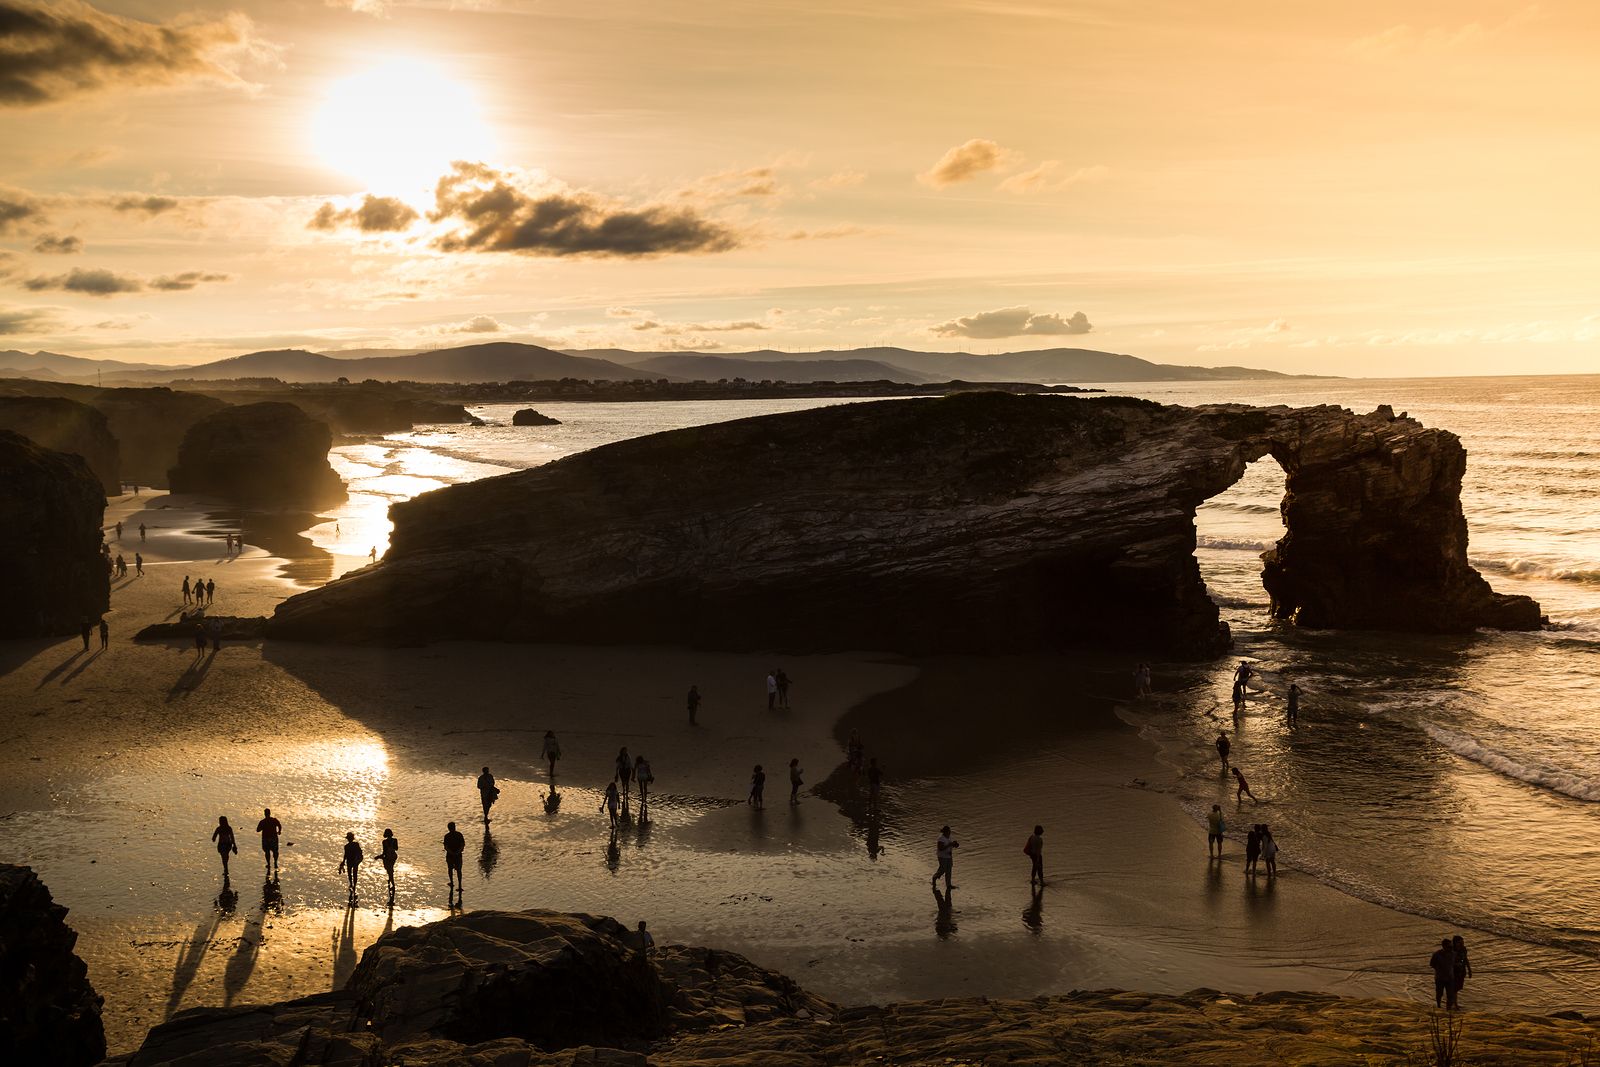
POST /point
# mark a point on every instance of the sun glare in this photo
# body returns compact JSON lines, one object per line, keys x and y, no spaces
{"x":397,"y":127}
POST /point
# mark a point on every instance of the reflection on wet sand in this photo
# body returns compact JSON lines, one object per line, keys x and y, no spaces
{"x":190,"y":955}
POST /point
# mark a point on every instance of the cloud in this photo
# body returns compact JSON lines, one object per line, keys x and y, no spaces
{"x":677,"y":329}
{"x":965,"y":162}
{"x":98,"y":281}
{"x":477,"y":324}
{"x":16,"y":208}
{"x":377,"y":214}
{"x":146,"y":205}
{"x":1050,"y":176}
{"x":25,"y":321}
{"x":377,"y":8}
{"x":731,"y":184}
{"x":492,"y":213}
{"x":50,"y":244}
{"x":840,"y":179}
{"x":56,"y":51}
{"x":1013,"y":322}
{"x":625,"y":313}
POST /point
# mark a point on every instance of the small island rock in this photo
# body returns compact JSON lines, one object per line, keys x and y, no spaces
{"x":530,"y":417}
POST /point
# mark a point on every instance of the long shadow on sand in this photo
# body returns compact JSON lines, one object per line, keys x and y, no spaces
{"x":192,"y":677}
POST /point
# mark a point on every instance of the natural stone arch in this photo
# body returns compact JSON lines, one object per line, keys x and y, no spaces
{"x":981,"y":521}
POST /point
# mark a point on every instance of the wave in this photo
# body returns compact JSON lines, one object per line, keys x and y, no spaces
{"x":1551,"y":778}
{"x":1239,"y":505}
{"x":1207,"y":541}
{"x":1531,"y":568}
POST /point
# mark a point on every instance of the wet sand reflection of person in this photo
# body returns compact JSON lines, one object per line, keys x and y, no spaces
{"x":613,"y":853}
{"x":488,"y":855}
{"x":944,"y":922}
{"x":874,"y":849}
{"x":1033,"y":914}
{"x":552,"y":801}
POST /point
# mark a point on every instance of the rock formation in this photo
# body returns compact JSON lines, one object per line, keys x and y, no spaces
{"x":50,"y":565}
{"x":530,"y":417}
{"x":538,"y":989}
{"x":980,"y":521}
{"x":149,"y":425}
{"x":49,"y":1013}
{"x":268,"y":454}
{"x":66,"y":426}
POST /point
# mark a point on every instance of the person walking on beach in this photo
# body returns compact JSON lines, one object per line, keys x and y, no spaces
{"x":1244,"y":788}
{"x":1461,"y":971}
{"x":874,"y":784}
{"x":141,"y":533}
{"x":783,"y":688}
{"x":1241,"y":678}
{"x":88,"y":628}
{"x":488,"y":792}
{"x":643,"y":776}
{"x":1293,"y":712}
{"x":945,"y":850}
{"x":223,"y":836}
{"x":550,"y":751}
{"x":624,"y":773}
{"x":352,"y":861}
{"x":795,"y":781}
{"x":610,"y":804}
{"x":1252,"y":849}
{"x":1034,"y":850}
{"x":138,"y":565}
{"x":270,"y":830}
{"x":1269,"y":851}
{"x":455,"y":846}
{"x":1141,"y":680}
{"x":121,"y":566}
{"x":758,"y":786}
{"x":119,"y":529}
{"x":1223,"y":748}
{"x":105,"y":635}
{"x":1215,"y":828}
{"x":693,"y":701}
{"x":1443,"y":963}
{"x":772,"y":689}
{"x":186,"y":589}
{"x":390,"y":853}
{"x":211,"y":590}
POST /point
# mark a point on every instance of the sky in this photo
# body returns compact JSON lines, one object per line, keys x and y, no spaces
{"x":1375,"y":187}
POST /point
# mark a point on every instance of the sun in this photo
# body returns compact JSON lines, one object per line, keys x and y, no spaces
{"x":398,"y":127}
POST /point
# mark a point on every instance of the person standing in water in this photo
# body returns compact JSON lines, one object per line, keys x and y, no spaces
{"x":1269,"y":851}
{"x":795,"y":781}
{"x":1243,"y":790}
{"x":1215,"y":828}
{"x":1443,"y":964}
{"x":455,"y":845}
{"x":223,"y":836}
{"x":1223,"y":748}
{"x":390,"y":853}
{"x":1252,"y":849}
{"x":643,"y":776}
{"x":624,"y":773}
{"x":758,"y":786}
{"x":610,"y":804}
{"x":1241,"y":679}
{"x":270,"y":830}
{"x":488,"y":792}
{"x":1292,"y":715}
{"x":693,"y":700}
{"x":351,"y":862}
{"x":1461,"y":971}
{"x":1034,"y":850}
{"x":944,"y":849}
{"x":550,"y":751}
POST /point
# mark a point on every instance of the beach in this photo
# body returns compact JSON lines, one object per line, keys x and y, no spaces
{"x":117,"y":764}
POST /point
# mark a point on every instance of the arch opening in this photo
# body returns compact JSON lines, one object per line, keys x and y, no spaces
{"x":1232,"y":530}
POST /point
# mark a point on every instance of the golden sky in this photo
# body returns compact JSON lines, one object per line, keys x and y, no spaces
{"x":1374,"y":187}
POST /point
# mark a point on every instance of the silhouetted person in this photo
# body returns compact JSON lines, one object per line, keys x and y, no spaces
{"x":226,"y":845}
{"x":610,"y":804}
{"x":1244,"y":788}
{"x":624,"y":773}
{"x":646,"y":942}
{"x":1034,"y":850}
{"x":488,"y":792}
{"x":874,"y":783}
{"x":390,"y":853}
{"x":270,"y":830}
{"x":211,"y":590}
{"x":1443,"y":962}
{"x":122,"y":566}
{"x":945,"y":850}
{"x":105,"y":635}
{"x":694,"y":704}
{"x":373,"y":555}
{"x":455,"y":846}
{"x":1222,"y":750}
{"x":1293,"y":713}
{"x":1252,"y":849}
{"x":1241,"y":679}
{"x":119,"y":530}
{"x":351,"y":862}
{"x":783,"y":688}
{"x":758,"y":787}
{"x":138,"y":565}
{"x":1215,"y":828}
{"x":186,"y":589}
{"x":88,"y":628}
{"x":795,"y":781}
{"x":550,"y":751}
{"x":1462,"y":971}
{"x":1269,"y":851}
{"x":141,"y":531}
{"x":772,"y":690}
{"x":643,"y":776}
{"x":1141,"y":680}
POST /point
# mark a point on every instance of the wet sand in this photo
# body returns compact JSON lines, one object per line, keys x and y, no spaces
{"x":116,"y":764}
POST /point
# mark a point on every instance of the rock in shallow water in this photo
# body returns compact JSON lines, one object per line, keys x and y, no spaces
{"x":974,"y":522}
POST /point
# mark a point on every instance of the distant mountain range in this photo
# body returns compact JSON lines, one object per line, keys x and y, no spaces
{"x":509,"y":361}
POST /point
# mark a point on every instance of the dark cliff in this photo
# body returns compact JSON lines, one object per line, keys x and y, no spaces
{"x":974,"y":522}
{"x":49,"y":1013}
{"x":50,"y":565}
{"x":66,"y":426}
{"x":271,"y":455}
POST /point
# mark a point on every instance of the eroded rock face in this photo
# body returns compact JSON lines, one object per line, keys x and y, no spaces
{"x":50,"y":567}
{"x":149,"y":425}
{"x":531,"y":417}
{"x":268,"y":454}
{"x":66,"y":426}
{"x":980,"y":521}
{"x":49,"y":1013}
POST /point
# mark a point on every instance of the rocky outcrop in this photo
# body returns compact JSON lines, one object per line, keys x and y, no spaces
{"x":981,"y":521}
{"x":150,"y":425}
{"x":268,"y":454}
{"x":66,"y":426}
{"x":507,"y":986}
{"x":49,"y":1013}
{"x":50,"y":567}
{"x":530,"y":417}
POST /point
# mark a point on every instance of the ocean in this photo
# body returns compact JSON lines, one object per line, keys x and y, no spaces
{"x":1451,"y":777}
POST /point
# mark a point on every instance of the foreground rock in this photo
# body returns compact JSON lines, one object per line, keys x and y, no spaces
{"x":50,"y":567}
{"x":268,"y":454}
{"x":499,"y":989}
{"x":66,"y":426}
{"x":49,"y":1013}
{"x":979,"y":521}
{"x":531,"y":417}
{"x":227,"y":627}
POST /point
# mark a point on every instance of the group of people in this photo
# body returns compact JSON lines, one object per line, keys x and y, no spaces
{"x":88,"y":629}
{"x":117,"y":567}
{"x":777,"y":689}
{"x":1451,"y":969}
{"x":201,"y":594}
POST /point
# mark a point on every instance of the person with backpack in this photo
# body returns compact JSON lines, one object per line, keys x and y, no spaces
{"x":1034,"y":850}
{"x":488,"y":792}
